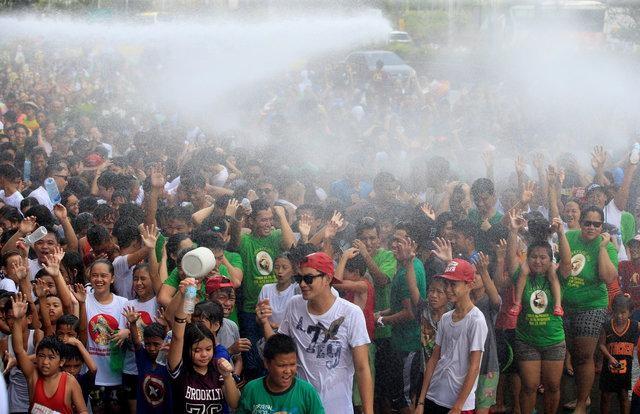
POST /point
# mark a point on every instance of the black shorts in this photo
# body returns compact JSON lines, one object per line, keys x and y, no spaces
{"x":108,"y":400}
{"x":130,"y":386}
{"x":406,"y":378}
{"x":384,"y":367}
{"x":614,"y":382}
{"x":505,"y":343}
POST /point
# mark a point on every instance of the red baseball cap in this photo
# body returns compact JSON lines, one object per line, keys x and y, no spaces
{"x":215,"y":283}
{"x":459,"y":270}
{"x":319,"y":261}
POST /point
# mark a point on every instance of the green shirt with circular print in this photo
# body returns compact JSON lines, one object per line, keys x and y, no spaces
{"x":537,"y":325}
{"x":583,"y":289}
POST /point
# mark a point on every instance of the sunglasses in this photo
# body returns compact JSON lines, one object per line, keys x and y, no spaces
{"x":308,"y":279}
{"x":595,"y":224}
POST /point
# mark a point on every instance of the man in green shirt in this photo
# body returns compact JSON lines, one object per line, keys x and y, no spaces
{"x":258,"y":251}
{"x":280,"y":391}
{"x":406,"y":350}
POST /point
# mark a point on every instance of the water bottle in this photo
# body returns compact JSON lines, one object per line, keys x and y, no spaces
{"x":161,"y":359}
{"x":52,"y":189}
{"x":634,"y":157}
{"x":246,"y":204}
{"x":36,"y":235}
{"x":190,"y":299}
{"x":26,"y":170}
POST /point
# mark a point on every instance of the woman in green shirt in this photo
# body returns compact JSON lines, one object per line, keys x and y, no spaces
{"x":594,"y":264}
{"x":540,"y":339}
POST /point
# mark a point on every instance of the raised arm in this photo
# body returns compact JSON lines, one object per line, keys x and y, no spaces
{"x":86,"y":357}
{"x":132,"y":316}
{"x":19,"y":308}
{"x":516,"y":223}
{"x":598,"y":160}
{"x":288,"y":239}
{"x":151,"y":199}
{"x":52,"y":266}
{"x":26,"y":227}
{"x":564,"y":266}
{"x":489,"y":286}
{"x":179,"y":324}
{"x":622,"y":195}
{"x":60,"y":212}
{"x":607,"y":270}
{"x":79,"y":292}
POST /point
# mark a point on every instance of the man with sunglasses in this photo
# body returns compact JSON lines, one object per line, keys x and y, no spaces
{"x":330,"y":335}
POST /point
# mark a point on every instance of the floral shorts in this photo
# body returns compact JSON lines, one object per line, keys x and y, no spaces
{"x":487,"y":389}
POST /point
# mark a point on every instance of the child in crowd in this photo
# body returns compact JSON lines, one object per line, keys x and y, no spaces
{"x":202,"y":381}
{"x":76,"y":355}
{"x":618,"y":338}
{"x":152,"y":379}
{"x":10,"y":262}
{"x":282,"y":291}
{"x":45,"y":378}
{"x":630,"y":276}
{"x":146,"y":307}
{"x":451,"y":375}
{"x":280,"y":391}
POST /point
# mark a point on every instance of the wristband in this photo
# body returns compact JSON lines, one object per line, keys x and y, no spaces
{"x":420,"y":403}
{"x":379,"y":321}
{"x":179,"y":320}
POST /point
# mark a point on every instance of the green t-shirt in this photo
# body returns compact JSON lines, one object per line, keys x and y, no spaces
{"x":405,"y":336}
{"x":583,"y":289}
{"x":483,"y":242}
{"x":301,"y":398}
{"x":159,"y":244}
{"x":387,"y":263}
{"x":537,"y":325}
{"x":258,"y":255}
{"x":627,"y":226}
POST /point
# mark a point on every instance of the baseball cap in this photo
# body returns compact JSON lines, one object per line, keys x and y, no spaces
{"x":215,"y":283}
{"x":319,"y":261}
{"x":459,"y":270}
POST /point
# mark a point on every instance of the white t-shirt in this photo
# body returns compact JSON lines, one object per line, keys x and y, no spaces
{"x":34,"y":268}
{"x":457,"y":340}
{"x":613,"y":216}
{"x":13,"y":200}
{"x":324,"y":348}
{"x":123,"y":277}
{"x":228,"y":333}
{"x":102,"y":322}
{"x":277,"y":300}
{"x":148,"y":311}
{"x":8,"y":285}
{"x":42,"y":196}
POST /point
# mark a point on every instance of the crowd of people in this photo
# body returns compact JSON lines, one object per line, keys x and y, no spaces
{"x":357,"y":267}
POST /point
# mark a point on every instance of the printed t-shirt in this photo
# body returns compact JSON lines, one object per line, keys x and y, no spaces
{"x":630,"y":280}
{"x":258,"y":254}
{"x":537,"y":325}
{"x":197,"y":393}
{"x":456,"y":340}
{"x":324,"y":344}
{"x":405,"y":336}
{"x":300,"y":398}
{"x":102,"y":322}
{"x":154,"y":382}
{"x":583,"y":289}
{"x":148,"y":311}
{"x":387,"y":263}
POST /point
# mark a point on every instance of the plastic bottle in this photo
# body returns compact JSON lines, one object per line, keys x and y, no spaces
{"x":52,"y":189}
{"x":634,"y":157}
{"x":246,"y":204}
{"x":26,"y":170}
{"x":36,"y":235}
{"x":162,"y":355}
{"x":190,"y":299}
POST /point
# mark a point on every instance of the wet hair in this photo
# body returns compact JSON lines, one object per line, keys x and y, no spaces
{"x":10,"y":172}
{"x":96,"y":235}
{"x":133,"y":212}
{"x":174,"y":241}
{"x":367,"y":223}
{"x":82,"y":222}
{"x":28,"y":202}
{"x":356,"y":264}
{"x":102,"y":211}
{"x":192,"y":181}
{"x":215,"y":224}
{"x":153,"y":330}
{"x":194,"y":333}
{"x":278,"y":344}
{"x":622,"y":301}
{"x":69,"y":320}
{"x":209,"y":310}
{"x":7,"y":255}
{"x":121,"y":193}
{"x":540,"y":243}
{"x":209,"y":239}
{"x":467,"y":227}
{"x":258,"y":206}
{"x":482,"y":186}
{"x":442,"y":219}
{"x":42,"y":214}
{"x":55,"y":167}
{"x":78,"y":186}
{"x":51,"y":343}
{"x":88,"y":204}
{"x":10,"y":213}
{"x":102,"y":261}
{"x":73,"y":261}
{"x":141,"y":266}
{"x":71,"y":353}
{"x":222,"y":201}
{"x":108,"y":179}
{"x":538,"y":228}
{"x":126,"y":234}
{"x":590,"y":209}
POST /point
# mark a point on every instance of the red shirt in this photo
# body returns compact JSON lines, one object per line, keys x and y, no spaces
{"x":368,"y":308}
{"x":630,"y":280}
{"x":55,"y":402}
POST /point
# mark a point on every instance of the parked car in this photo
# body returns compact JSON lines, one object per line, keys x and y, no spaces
{"x":364,"y":63}
{"x":399,"y":37}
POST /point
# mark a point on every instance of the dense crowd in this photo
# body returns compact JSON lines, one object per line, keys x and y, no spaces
{"x":362,"y":261}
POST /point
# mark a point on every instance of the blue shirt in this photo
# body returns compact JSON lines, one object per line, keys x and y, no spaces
{"x":154,"y":385}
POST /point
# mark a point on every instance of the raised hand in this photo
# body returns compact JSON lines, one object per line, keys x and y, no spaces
{"x":483,"y":263}
{"x":130,"y":314}
{"x":304,"y":225}
{"x":158,"y":177}
{"x":19,"y":305}
{"x":538,"y":161}
{"x":149,"y":235}
{"x":331,"y":229}
{"x":428,"y":211}
{"x":557,"y":226}
{"x":350,"y":253}
{"x":487,"y":158}
{"x":406,"y":250}
{"x":443,"y":249}
{"x":501,"y":249}
{"x":362,"y":248}
{"x":51,"y":262}
{"x":241,"y":345}
{"x":516,"y":221}
{"x":232,"y":208}
{"x":10,"y":362}
{"x":79,"y":292}
{"x":60,"y":212}
{"x":280,"y":212}
{"x":20,"y":270}
{"x":28,"y":225}
{"x":552,"y":176}
{"x":40,"y":289}
{"x":520,"y":165}
{"x":598,"y":158}
{"x":224,"y":367}
{"x":120,"y":336}
{"x":606,"y":239}
{"x":527,"y":192}
{"x":263,"y":310}
{"x":561,"y":175}
{"x":160,"y":318}
{"x":185,"y":283}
